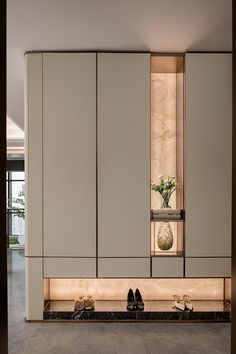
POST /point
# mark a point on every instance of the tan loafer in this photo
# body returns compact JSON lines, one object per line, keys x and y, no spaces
{"x":79,"y":304}
{"x":89,"y":303}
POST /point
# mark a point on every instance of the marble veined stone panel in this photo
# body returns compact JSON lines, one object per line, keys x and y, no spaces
{"x":151,"y":289}
{"x":163,"y":131}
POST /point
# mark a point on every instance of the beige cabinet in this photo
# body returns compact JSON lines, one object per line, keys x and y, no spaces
{"x":123,"y":155}
{"x":33,"y":156}
{"x":208,"y":132}
{"x":69,"y":154}
{"x":88,"y":166}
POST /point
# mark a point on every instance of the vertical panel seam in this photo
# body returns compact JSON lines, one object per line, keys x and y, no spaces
{"x":184,"y":163}
{"x":42,"y":173}
{"x":150,"y":159}
{"x":96,"y":165}
{"x":28,"y":158}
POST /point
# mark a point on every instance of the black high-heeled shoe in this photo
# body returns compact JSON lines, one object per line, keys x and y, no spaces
{"x":131,"y":306}
{"x":138,"y":300}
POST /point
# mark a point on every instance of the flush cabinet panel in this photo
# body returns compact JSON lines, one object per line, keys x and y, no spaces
{"x":33,"y":158}
{"x":34,"y":299}
{"x":208,"y":267}
{"x":167,"y":267}
{"x":123,"y":155}
{"x":123,"y":267}
{"x":69,"y":154}
{"x":69,"y":267}
{"x":208,"y":155}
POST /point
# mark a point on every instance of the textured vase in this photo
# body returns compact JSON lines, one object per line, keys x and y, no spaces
{"x":165,"y":236}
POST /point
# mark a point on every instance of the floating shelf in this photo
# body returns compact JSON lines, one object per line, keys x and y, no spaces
{"x":167,"y":254}
{"x":167,"y":215}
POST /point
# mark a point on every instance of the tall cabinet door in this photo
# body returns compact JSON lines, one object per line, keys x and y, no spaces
{"x":69,"y":154}
{"x":123,"y":162}
{"x":33,"y":155}
{"x":208,"y":159}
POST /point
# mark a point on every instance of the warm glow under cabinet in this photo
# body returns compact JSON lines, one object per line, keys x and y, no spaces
{"x":152,"y":289}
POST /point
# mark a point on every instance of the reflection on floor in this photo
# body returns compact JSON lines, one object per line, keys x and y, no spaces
{"x":104,"y":338}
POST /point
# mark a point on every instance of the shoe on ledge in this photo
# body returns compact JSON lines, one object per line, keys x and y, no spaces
{"x":178,"y":303}
{"x":138,"y":300}
{"x":131,"y":305}
{"x":79,"y":304}
{"x":84,"y":303}
{"x":89,"y":303}
{"x":187,"y":302}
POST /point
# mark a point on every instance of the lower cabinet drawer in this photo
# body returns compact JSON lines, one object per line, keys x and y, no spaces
{"x":123,"y":267}
{"x":208,"y":267}
{"x":69,"y":267}
{"x":167,"y":267}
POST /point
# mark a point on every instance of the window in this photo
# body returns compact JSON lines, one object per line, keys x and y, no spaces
{"x":15,"y":208}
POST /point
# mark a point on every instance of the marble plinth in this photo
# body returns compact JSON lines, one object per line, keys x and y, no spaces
{"x":212,"y":311}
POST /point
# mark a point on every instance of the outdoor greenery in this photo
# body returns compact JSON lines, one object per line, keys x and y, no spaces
{"x":18,"y":210}
{"x":13,"y":240}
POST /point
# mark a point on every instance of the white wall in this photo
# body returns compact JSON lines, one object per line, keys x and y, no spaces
{"x":155,"y":25}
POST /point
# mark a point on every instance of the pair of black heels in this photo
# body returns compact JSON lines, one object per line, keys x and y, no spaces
{"x":135,"y":301}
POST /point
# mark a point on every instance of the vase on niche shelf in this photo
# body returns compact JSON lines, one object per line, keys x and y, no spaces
{"x":165,"y":238}
{"x":165,"y":188}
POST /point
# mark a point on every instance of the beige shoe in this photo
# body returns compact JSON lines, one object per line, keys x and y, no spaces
{"x":187,"y":302}
{"x":79,"y":304}
{"x":89,"y":303}
{"x":179,"y":303}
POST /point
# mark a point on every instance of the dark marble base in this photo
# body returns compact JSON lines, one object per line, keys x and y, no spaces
{"x":212,"y":311}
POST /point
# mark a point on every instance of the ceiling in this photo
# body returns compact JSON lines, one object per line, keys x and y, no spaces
{"x":152,"y":25}
{"x":14,"y":132}
{"x":15,"y":140}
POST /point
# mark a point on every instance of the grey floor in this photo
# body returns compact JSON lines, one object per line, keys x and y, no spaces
{"x":104,"y":338}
